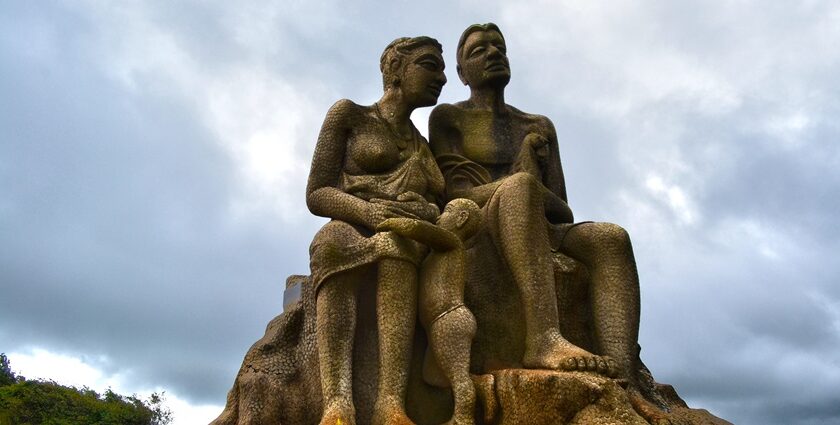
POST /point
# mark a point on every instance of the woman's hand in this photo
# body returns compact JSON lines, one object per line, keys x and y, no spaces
{"x":410,"y":205}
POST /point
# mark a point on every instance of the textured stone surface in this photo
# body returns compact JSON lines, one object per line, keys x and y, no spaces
{"x":278,"y":382}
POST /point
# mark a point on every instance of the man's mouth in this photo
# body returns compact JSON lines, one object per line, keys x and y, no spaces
{"x":436,"y":89}
{"x":496,"y":66}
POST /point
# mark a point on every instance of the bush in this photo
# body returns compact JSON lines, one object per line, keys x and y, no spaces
{"x":39,"y":402}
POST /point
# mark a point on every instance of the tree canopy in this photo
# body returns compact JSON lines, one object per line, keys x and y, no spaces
{"x":31,"y":402}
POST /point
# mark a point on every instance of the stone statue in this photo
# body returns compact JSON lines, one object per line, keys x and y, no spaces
{"x":529,"y":318}
{"x":448,"y":322}
{"x":370,"y":165}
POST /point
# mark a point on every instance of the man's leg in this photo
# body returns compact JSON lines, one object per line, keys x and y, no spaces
{"x":606,"y":251}
{"x":522,"y":238}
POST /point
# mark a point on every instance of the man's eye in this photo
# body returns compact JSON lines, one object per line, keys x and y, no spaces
{"x":431,"y":66}
{"x":477,"y":51}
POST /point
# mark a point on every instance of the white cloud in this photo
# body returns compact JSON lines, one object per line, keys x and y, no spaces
{"x":266,"y":121}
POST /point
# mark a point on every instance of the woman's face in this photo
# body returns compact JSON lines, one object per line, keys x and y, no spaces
{"x":422,"y":77}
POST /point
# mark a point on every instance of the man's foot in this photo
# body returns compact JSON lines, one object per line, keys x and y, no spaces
{"x":338,"y":414}
{"x":555,"y":353}
{"x":389,"y":414}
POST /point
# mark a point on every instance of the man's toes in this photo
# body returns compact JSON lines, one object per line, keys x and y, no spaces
{"x":602,"y":366}
{"x":592,"y":363}
{"x":613,"y":367}
{"x":570,"y":364}
{"x":581,"y":363}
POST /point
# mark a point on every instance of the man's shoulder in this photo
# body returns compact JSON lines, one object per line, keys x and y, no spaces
{"x":529,"y":118}
{"x":447,"y":111}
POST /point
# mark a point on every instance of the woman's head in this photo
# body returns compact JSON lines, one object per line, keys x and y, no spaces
{"x":395,"y":57}
{"x":412,"y":69}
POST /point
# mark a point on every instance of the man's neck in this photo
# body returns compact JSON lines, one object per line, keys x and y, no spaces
{"x":488,"y":99}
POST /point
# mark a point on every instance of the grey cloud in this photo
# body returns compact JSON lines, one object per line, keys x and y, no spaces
{"x":119,"y":239}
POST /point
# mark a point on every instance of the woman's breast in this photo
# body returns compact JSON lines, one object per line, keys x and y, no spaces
{"x":372,"y":153}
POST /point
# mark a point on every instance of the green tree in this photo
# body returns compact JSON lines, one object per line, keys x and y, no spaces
{"x":7,"y":377}
{"x":40,"y":402}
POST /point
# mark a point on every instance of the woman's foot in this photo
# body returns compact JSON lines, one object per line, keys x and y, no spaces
{"x":389,"y":413}
{"x":339,"y":414}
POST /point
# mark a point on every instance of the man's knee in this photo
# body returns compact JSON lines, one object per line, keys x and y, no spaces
{"x":609,"y":236}
{"x":520,"y":181}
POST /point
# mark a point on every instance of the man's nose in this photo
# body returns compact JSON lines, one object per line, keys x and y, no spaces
{"x":494,"y":52}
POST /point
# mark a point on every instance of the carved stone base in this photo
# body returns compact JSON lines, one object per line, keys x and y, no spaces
{"x":279,"y":383}
{"x":520,"y":396}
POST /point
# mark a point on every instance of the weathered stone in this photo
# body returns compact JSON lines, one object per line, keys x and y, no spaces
{"x":501,"y":310}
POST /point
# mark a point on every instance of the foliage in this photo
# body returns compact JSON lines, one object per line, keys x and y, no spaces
{"x":25,"y":402}
{"x":7,"y":377}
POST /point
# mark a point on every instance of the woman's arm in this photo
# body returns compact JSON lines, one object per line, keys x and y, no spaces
{"x":435,"y":237}
{"x":323,"y":197}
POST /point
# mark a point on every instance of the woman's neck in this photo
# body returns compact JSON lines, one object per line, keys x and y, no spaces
{"x":393,"y":110}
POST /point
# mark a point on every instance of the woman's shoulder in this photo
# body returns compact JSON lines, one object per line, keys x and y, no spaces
{"x":346,"y":108}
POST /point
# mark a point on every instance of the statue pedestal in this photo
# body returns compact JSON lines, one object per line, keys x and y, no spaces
{"x":279,"y":382}
{"x":519,"y":396}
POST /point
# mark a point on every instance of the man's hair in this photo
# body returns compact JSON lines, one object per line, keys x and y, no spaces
{"x":392,"y":57}
{"x":473,"y":223}
{"x":471,"y":29}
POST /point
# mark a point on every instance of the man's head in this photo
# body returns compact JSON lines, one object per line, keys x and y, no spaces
{"x":462,"y":217}
{"x":482,"y":57}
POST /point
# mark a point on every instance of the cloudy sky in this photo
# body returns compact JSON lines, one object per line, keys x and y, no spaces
{"x":153,"y":158}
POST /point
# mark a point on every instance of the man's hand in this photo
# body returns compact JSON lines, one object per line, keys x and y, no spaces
{"x":538,"y":144}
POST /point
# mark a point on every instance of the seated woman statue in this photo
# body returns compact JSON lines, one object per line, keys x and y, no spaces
{"x":508,"y":162}
{"x":371,"y":164}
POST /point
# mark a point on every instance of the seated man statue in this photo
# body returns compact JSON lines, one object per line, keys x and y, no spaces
{"x":508,"y":162}
{"x":448,"y":323}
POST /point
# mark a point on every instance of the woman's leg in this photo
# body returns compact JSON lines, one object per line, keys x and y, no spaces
{"x":396,"y":312}
{"x":336,"y":323}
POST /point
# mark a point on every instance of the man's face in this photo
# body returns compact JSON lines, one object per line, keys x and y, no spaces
{"x":483,"y":60}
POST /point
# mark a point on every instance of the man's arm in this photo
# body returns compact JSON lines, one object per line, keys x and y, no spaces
{"x":556,"y":203}
{"x":436,"y":238}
